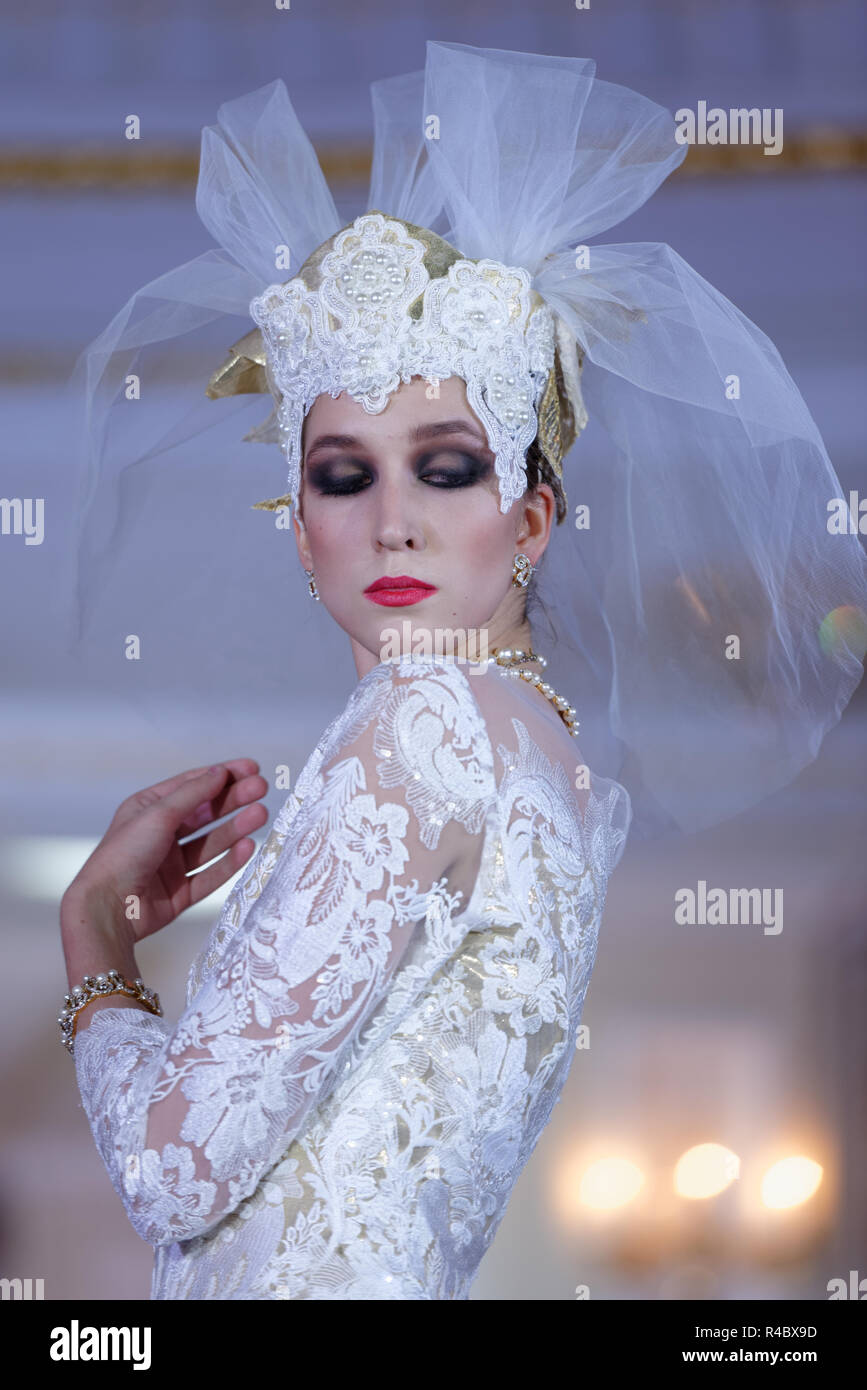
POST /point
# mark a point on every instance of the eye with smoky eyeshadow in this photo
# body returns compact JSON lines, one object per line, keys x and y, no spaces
{"x":343,"y":477}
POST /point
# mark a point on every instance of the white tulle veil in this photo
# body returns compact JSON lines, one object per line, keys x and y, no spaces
{"x":708,"y":624}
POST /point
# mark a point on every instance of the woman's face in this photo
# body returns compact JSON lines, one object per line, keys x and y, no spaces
{"x":412,"y":492}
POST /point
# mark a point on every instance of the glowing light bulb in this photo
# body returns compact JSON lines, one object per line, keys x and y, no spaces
{"x":791,"y":1181}
{"x":609,"y":1183}
{"x":705,"y":1170}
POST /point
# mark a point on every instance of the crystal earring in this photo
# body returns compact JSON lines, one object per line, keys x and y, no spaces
{"x":522,"y":571}
{"x":311,"y":585}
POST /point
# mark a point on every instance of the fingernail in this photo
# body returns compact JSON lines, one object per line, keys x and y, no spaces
{"x":218,"y":767}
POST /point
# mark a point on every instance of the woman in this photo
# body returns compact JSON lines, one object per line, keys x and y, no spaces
{"x":384,"y":1016}
{"x":414,"y":940}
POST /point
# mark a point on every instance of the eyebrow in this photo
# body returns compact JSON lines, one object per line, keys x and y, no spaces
{"x":432,"y":431}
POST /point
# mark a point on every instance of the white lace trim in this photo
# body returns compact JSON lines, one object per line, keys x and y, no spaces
{"x":355,"y":334}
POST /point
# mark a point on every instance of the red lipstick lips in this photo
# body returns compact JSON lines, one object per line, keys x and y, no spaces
{"x":398,"y":590}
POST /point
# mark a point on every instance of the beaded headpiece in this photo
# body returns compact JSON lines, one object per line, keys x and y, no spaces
{"x":383,"y":301}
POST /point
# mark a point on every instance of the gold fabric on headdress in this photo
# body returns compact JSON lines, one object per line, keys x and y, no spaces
{"x":561,"y":415}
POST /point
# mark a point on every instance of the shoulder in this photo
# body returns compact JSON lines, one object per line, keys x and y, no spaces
{"x":415,"y":725}
{"x":427,"y":711}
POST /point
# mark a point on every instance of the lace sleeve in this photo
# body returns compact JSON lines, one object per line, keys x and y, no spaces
{"x":381,"y":858}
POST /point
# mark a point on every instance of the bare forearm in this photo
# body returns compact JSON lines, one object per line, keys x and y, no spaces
{"x":93,"y":944}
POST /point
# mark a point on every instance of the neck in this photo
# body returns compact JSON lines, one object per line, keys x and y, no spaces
{"x":517,"y":636}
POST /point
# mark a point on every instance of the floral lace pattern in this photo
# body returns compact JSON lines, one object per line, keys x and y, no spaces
{"x":382,"y":1020}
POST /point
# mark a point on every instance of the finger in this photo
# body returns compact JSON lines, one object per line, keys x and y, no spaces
{"x":206,"y":847}
{"x":231,"y":798}
{"x":236,"y":766}
{"x":177,"y":806}
{"x":182,"y":801}
{"x":147,"y":796}
{"x":200,"y":885}
{"x":137,"y":801}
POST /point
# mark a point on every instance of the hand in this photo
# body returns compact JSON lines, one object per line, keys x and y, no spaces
{"x":140,"y":855}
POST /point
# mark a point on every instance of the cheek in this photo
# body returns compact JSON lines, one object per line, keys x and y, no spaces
{"x":329,"y":534}
{"x":482,"y":554}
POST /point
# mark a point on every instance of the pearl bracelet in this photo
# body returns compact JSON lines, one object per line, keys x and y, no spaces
{"x":96,"y":987}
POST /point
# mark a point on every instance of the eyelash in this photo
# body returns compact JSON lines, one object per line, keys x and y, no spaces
{"x":353,"y":485}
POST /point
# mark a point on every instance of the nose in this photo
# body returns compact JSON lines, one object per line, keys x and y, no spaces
{"x":397,"y":515}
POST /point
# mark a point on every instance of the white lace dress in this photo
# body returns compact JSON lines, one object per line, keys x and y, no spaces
{"x":384,"y":1015}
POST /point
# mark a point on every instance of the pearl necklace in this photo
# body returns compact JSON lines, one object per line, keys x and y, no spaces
{"x":509,"y":659}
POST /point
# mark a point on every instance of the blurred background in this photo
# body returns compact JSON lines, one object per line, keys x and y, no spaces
{"x":710,"y":1143}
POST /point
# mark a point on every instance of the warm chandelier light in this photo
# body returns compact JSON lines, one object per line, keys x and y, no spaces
{"x":610,"y":1183}
{"x":790,"y":1182}
{"x":705,"y":1170}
